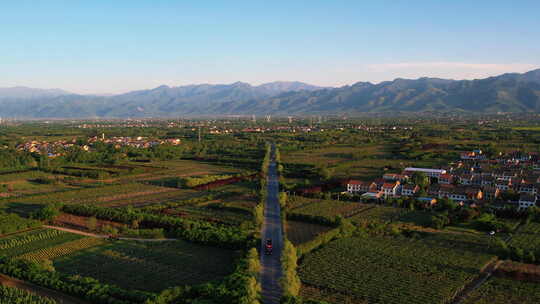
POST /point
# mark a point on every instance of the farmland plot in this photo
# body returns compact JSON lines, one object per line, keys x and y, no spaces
{"x":149,"y":266}
{"x":380,"y":214}
{"x":390,"y":270}
{"x":328,"y":208}
{"x":27,"y":242}
{"x":505,"y":291}
{"x":301,"y":232}
{"x":94,"y":195}
{"x":527,"y":237}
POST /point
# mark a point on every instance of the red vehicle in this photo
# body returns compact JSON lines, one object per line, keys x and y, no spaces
{"x":268,"y":247}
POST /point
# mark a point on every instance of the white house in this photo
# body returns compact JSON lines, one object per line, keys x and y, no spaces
{"x":390,"y":189}
{"x":355,"y":186}
{"x":429,"y":172}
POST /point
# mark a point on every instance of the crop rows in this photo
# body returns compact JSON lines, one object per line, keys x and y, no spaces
{"x":329,"y":208}
{"x":503,"y":290}
{"x":148,"y":266}
{"x":527,"y":237}
{"x":89,"y":195}
{"x":61,"y":250}
{"x":28,"y":242}
{"x":10,"y":295}
{"x":387,"y":270}
{"x":381,"y":214}
{"x":212,"y":215}
{"x":24,"y":238}
{"x":301,"y":232}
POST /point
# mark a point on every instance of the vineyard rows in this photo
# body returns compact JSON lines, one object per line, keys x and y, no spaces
{"x":61,"y":250}
{"x":502,"y":291}
{"x":387,"y":270}
{"x":156,"y":265}
{"x":527,"y":237}
{"x":380,"y":214}
{"x":10,"y":295}
{"x":35,"y":240}
{"x":330,"y":209}
{"x":89,"y":195}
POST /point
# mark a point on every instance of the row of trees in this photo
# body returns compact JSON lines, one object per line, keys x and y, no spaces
{"x":84,"y":287}
{"x":10,"y":222}
{"x":190,"y":230}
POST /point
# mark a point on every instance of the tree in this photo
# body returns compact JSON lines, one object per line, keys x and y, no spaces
{"x":420,"y":179}
{"x":47,"y":213}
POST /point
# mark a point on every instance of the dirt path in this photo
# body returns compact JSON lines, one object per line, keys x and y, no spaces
{"x":59,"y":297}
{"x":101,"y":236}
{"x":271,"y":264}
{"x":482,"y":278}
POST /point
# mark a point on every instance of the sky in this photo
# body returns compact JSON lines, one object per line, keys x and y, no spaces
{"x":103,"y":46}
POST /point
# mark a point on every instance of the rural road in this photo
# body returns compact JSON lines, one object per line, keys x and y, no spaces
{"x":105,"y":236}
{"x":271,"y":229}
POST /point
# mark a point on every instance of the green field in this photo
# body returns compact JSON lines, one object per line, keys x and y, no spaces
{"x":301,"y":232}
{"x":151,"y":266}
{"x":498,"y":290}
{"x":389,"y":270}
{"x":11,"y":295}
{"x":27,"y":242}
{"x":527,"y":237}
{"x":325,"y":208}
{"x":381,"y":214}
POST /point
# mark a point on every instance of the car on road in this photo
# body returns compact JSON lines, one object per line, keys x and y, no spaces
{"x":268,"y":247}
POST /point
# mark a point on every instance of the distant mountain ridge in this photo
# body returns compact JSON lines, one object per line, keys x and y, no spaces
{"x":511,"y":92}
{"x":26,"y":93}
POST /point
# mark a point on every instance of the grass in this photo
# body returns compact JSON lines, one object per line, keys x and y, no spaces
{"x":390,"y":270}
{"x":149,"y":266}
{"x":301,"y":232}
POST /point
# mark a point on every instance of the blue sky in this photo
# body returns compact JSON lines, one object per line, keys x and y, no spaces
{"x":104,"y":46}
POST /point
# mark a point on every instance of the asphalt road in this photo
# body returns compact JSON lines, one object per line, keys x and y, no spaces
{"x":271,"y":229}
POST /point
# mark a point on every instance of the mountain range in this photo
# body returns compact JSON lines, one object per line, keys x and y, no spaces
{"x":511,"y":92}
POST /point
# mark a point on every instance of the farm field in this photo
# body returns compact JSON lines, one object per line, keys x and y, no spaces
{"x":390,"y":270}
{"x":155,"y":196}
{"x":93,"y":195}
{"x":301,"y":232}
{"x":31,"y":241}
{"x":165,"y":170}
{"x":326,"y":208}
{"x":499,"y":290}
{"x":364,"y":162}
{"x":149,"y":266}
{"x":527,"y":237}
{"x":214,"y":215}
{"x":379,"y":214}
{"x":12,"y":295}
{"x":331,"y":155}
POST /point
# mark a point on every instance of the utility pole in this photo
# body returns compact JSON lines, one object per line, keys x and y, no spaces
{"x":199,"y":134}
{"x":253,"y":118}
